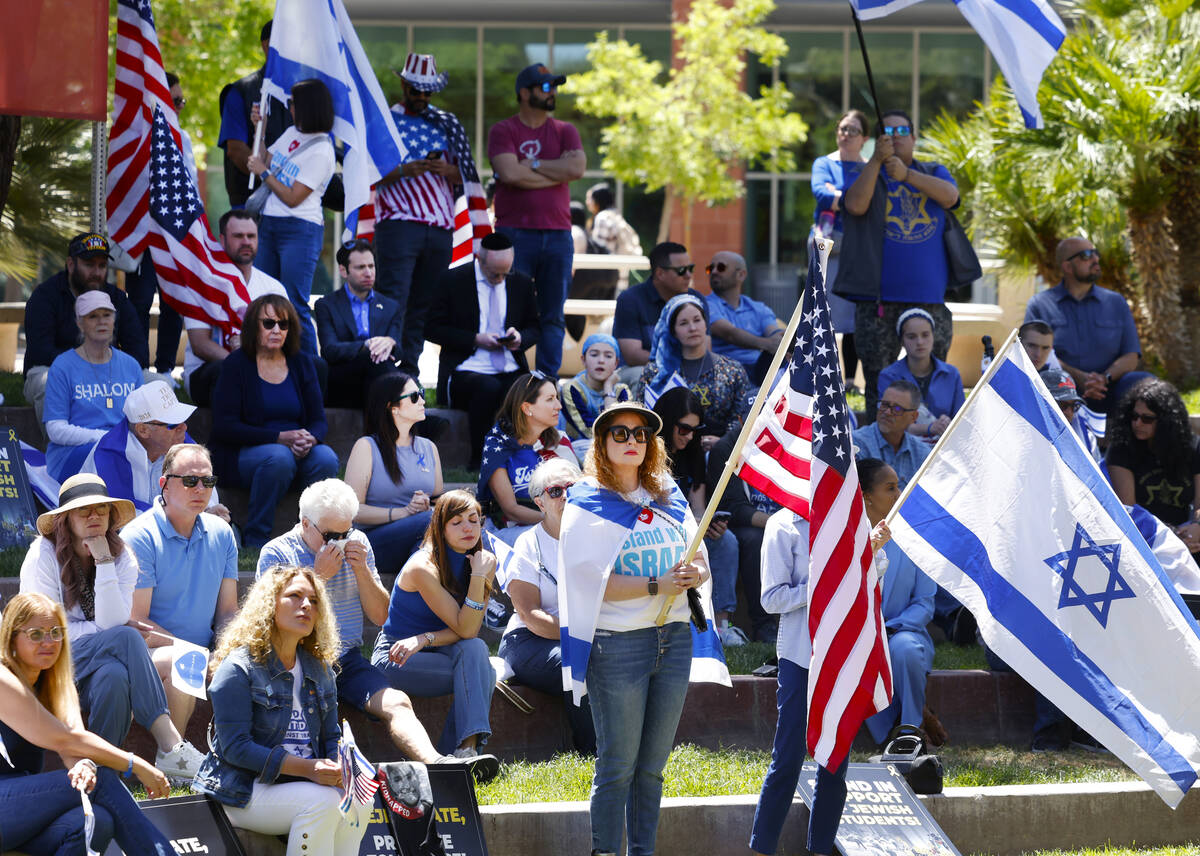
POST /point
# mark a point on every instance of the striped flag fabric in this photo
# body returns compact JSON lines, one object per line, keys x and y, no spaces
{"x":1014,"y":518}
{"x":153,"y":205}
{"x":799,"y":453}
{"x":359,"y":776}
{"x":654,"y":391}
{"x":1023,"y":35}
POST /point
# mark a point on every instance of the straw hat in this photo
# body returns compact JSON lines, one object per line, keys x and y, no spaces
{"x":81,"y":491}
{"x":612,"y":412}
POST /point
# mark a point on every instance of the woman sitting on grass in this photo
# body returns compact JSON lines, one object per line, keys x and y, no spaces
{"x":41,"y":813}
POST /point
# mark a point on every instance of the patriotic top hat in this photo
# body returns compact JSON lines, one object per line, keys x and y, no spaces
{"x":420,"y":70}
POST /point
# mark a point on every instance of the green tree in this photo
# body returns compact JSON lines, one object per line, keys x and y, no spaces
{"x":694,"y":132}
{"x":1118,"y":161}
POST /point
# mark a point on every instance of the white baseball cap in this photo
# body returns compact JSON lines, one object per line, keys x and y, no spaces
{"x":90,"y":301}
{"x":156,"y":402}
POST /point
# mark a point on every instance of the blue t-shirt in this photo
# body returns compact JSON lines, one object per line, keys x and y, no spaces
{"x":185,"y":573}
{"x":749,"y":315}
{"x":914,"y":255}
{"x":86,"y":395}
{"x":841,"y":174}
{"x":233,"y":118}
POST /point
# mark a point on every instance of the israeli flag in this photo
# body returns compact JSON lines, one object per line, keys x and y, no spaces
{"x":1013,"y":517}
{"x":653,"y":392}
{"x":45,"y":486}
{"x":1023,"y":35}
{"x":314,"y":38}
{"x":595,"y":523}
{"x":189,"y":668}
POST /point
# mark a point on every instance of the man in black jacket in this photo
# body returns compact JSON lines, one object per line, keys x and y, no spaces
{"x":358,"y":329}
{"x":484,"y":319}
{"x":50,"y":326}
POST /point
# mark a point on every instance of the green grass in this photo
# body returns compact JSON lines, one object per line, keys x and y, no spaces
{"x":856,"y":401}
{"x":1182,"y":850}
{"x":744,"y":659}
{"x":247,"y":560}
{"x":947,"y":655}
{"x":12,"y":386}
{"x":10,"y":561}
{"x":697,"y":772}
{"x":459,"y":474}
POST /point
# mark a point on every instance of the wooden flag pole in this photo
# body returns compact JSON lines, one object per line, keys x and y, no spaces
{"x":824,"y":246}
{"x":259,"y":130}
{"x":991,"y":370}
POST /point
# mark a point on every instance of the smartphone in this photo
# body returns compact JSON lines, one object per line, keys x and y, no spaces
{"x":436,"y":154}
{"x":722,"y":516}
{"x":507,"y":338}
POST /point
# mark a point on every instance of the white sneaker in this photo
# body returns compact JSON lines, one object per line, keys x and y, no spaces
{"x":731,"y":636}
{"x":182,"y":762}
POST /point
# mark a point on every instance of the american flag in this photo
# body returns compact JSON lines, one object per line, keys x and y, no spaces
{"x":799,"y":454}
{"x":153,"y":205}
{"x":428,"y":197}
{"x":359,"y":776}
{"x":470,"y":216}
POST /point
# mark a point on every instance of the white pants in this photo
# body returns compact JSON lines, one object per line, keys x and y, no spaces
{"x":307,"y":813}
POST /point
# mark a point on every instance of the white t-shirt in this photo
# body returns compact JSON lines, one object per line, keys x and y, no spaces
{"x":524,"y":566}
{"x":260,"y":283}
{"x":652,"y":548}
{"x":298,"y":740}
{"x":312,"y":167}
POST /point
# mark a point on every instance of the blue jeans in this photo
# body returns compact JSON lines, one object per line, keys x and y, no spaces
{"x":116,"y":679}
{"x":638,"y":680}
{"x":545,"y":256}
{"x":288,"y":249}
{"x":392,"y":543}
{"x":42,"y":815}
{"x":723,"y":565}
{"x":787,"y":756}
{"x":412,"y":258}
{"x":462,"y":670}
{"x":270,"y":470}
{"x":537,"y":662}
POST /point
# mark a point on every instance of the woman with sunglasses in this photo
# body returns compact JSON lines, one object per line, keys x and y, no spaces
{"x":394,"y":472}
{"x":1153,"y":458}
{"x":41,"y":813}
{"x":273,"y":759}
{"x":531,"y":645}
{"x":637,"y":669}
{"x":831,"y":175}
{"x":429,"y":645}
{"x":524,"y":435}
{"x":81,"y":562}
{"x":270,"y":419}
{"x":682,"y":351}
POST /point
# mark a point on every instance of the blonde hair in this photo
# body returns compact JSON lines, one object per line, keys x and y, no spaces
{"x":55,"y":686}
{"x":254,"y":625}
{"x":654,"y":473}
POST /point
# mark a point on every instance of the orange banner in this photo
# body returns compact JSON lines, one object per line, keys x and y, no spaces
{"x":54,"y":59}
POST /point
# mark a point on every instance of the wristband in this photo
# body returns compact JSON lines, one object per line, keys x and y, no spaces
{"x":90,"y":763}
{"x":262,"y":176}
{"x":390,"y":510}
{"x":473,"y":604}
{"x":129,"y":770}
{"x":429,"y":639}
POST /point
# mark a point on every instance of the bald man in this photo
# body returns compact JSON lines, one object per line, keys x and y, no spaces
{"x":1095,"y":339}
{"x":742,"y":329}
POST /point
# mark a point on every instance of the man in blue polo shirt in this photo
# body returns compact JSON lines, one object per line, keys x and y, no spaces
{"x":742,"y":329}
{"x":187,"y":567}
{"x":1095,"y":339}
{"x":887,"y":438}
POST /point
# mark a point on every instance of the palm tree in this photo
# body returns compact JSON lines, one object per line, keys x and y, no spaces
{"x":1115,"y":160}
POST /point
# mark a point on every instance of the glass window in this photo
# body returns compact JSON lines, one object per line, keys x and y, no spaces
{"x":951,"y":73}
{"x":570,"y":57}
{"x":655,"y":45}
{"x":891,"y":62}
{"x":812,"y":71}
{"x":505,"y":53}
{"x":796,"y":206}
{"x":453,"y":50}
{"x":643,"y":211}
{"x":758,"y":220}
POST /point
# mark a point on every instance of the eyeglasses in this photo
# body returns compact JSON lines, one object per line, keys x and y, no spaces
{"x":686,"y":429}
{"x":269,"y":323}
{"x":557,"y":491}
{"x":1069,"y":405}
{"x":180,"y":102}
{"x":894,"y":409}
{"x":898,"y":131}
{"x":37,"y":635}
{"x":719,"y":267}
{"x":1144,"y":418}
{"x":414,"y":396}
{"x":621,"y":434}
{"x":546,"y":87}
{"x":1092,"y":253}
{"x":192,"y":481}
{"x":682,"y":270}
{"x":170,"y":426}
{"x":334,"y":536}
{"x":850,"y":130}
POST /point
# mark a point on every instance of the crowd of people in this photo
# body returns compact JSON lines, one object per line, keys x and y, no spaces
{"x":140,"y":552}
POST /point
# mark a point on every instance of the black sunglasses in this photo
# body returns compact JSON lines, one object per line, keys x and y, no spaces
{"x":557,"y":491}
{"x":269,"y":323}
{"x":681,"y":270}
{"x":1145,"y":418}
{"x":621,"y":434}
{"x":719,"y":267}
{"x":170,"y":426}
{"x":1092,"y":253}
{"x":192,"y":481}
{"x":685,"y":429}
{"x":180,"y":102}
{"x":414,"y":396}
{"x":332,"y":536}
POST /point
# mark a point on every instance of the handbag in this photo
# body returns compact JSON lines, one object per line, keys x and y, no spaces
{"x":962,"y":263}
{"x":905,"y":749}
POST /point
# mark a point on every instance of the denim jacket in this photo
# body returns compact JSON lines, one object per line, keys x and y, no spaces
{"x":252,"y":704}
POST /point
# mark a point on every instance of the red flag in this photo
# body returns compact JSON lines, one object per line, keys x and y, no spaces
{"x":799,"y":454}
{"x":152,"y":202}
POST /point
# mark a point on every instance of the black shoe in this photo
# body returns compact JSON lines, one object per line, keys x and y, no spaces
{"x":483,"y":768}
{"x":1049,"y":743}
{"x":1080,"y":739}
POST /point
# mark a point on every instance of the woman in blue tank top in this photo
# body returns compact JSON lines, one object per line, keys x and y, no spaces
{"x":429,"y":645}
{"x":395,"y":473}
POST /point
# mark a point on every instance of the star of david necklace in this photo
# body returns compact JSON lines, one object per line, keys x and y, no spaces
{"x":82,"y":351}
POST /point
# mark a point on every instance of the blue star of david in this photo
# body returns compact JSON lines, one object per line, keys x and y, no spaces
{"x":1064,"y":564}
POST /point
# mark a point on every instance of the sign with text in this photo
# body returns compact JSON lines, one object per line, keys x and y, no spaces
{"x":882,"y":817}
{"x":193,"y":823}
{"x":17,"y":508}
{"x":459,"y":829}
